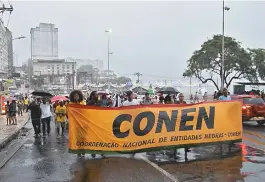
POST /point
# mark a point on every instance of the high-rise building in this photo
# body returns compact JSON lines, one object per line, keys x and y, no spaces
{"x":44,"y":42}
{"x":10,"y":64}
{"x":3,"y":51}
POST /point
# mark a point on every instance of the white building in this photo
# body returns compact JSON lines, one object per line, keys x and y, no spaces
{"x":4,"y":39}
{"x":57,"y":67}
{"x":9,"y":43}
{"x":44,"y":42}
{"x":103,"y":75}
{"x":96,"y":63}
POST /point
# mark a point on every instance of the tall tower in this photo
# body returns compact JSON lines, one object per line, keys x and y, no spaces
{"x":44,"y":42}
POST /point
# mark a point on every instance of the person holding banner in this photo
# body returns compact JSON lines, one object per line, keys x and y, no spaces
{"x":76,"y":97}
{"x":147,"y":100}
{"x":93,"y":101}
{"x":130,"y":101}
{"x":168,"y":100}
{"x":225,"y":95}
{"x":181,"y":99}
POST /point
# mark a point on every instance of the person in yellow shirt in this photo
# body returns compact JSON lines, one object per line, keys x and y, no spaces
{"x":60,"y":112}
{"x":26,"y":104}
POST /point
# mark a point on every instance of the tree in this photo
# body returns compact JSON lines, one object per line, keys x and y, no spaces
{"x":258,"y":58}
{"x":123,"y":80}
{"x":205,"y":64}
{"x":86,"y":68}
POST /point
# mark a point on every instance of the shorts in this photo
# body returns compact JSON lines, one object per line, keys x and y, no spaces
{"x":7,"y":115}
{"x":60,"y":124}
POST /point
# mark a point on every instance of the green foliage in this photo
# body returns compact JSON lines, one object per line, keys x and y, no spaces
{"x":205,"y":63}
{"x":258,"y":58}
{"x":123,"y":80}
{"x":86,"y":68}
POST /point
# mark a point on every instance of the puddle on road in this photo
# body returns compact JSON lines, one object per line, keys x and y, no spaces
{"x":205,"y":164}
{"x":242,"y":164}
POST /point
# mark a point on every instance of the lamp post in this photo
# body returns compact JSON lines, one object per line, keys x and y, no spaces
{"x":108,"y":32}
{"x":225,"y":8}
{"x":21,"y":37}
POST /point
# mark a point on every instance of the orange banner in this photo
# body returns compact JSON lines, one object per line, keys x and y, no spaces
{"x":140,"y":128}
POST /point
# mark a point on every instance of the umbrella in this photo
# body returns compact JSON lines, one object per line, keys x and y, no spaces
{"x":168,"y":90}
{"x":150,"y":91}
{"x":58,"y":97}
{"x":41,"y":93}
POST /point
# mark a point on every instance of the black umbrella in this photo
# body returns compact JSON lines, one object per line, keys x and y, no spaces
{"x":41,"y":93}
{"x":168,"y":90}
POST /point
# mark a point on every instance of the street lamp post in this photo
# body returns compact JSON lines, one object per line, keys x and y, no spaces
{"x":21,"y":37}
{"x":108,"y":32}
{"x":225,"y":8}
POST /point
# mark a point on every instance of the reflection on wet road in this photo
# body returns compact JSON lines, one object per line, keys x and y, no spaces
{"x":48,"y":160}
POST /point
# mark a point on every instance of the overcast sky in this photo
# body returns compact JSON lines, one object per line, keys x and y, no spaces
{"x":154,"y":38}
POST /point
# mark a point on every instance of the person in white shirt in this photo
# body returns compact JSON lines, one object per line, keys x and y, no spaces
{"x":45,"y":117}
{"x":130,"y":101}
{"x":116,"y":100}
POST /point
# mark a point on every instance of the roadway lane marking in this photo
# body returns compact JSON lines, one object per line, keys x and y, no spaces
{"x":254,"y":141}
{"x":254,"y":134}
{"x":168,"y":175}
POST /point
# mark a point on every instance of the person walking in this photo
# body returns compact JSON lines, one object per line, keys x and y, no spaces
{"x":181,"y":99}
{"x":93,"y":101}
{"x":19,"y":108}
{"x":26,"y":104}
{"x":130,"y":100}
{"x":225,"y":95}
{"x":60,"y":119}
{"x":8,"y":121}
{"x":35,"y":113}
{"x":13,"y":111}
{"x":147,"y":100}
{"x":45,"y":117}
{"x":76,"y":97}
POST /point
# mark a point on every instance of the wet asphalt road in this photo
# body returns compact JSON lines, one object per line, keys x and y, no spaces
{"x":48,"y":160}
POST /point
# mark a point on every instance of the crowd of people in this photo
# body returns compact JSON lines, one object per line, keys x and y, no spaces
{"x":43,"y":111}
{"x":17,"y":106}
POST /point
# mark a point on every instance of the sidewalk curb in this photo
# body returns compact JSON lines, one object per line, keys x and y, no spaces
{"x":12,"y":136}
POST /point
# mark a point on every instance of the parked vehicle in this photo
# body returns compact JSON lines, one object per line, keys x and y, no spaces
{"x":253,"y":108}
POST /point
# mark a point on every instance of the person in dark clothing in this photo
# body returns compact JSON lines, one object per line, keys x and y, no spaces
{"x":20,"y":108}
{"x":181,"y":99}
{"x":161,"y":99}
{"x":35,"y":117}
{"x":76,"y":97}
{"x":13,"y":112}
{"x":93,"y":99}
{"x":168,"y":100}
{"x":8,"y":121}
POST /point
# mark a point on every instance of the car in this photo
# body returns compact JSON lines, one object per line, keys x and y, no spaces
{"x":253,"y":108}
